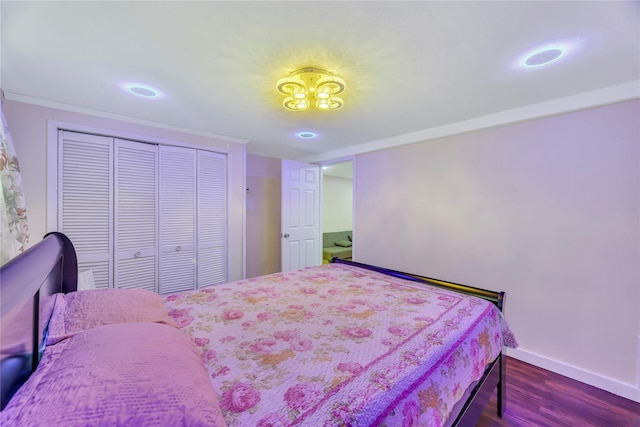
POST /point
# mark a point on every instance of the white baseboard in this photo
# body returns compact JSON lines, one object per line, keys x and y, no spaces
{"x":628,"y":391}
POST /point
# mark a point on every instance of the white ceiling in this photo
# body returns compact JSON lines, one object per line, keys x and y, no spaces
{"x":409,"y":66}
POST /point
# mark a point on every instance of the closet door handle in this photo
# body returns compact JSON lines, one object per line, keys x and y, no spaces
{"x":137,"y":255}
{"x":178,"y":248}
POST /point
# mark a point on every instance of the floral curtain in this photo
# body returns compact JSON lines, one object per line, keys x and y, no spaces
{"x":14,"y":231}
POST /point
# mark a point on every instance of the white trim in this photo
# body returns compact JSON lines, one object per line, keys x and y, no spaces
{"x":351,"y":159}
{"x":333,"y":161}
{"x":82,"y":110}
{"x":229,"y":234}
{"x":52,"y":177}
{"x":354,"y":249}
{"x":244,"y":213}
{"x":608,"y":95}
{"x":628,"y":391}
{"x":138,"y":137}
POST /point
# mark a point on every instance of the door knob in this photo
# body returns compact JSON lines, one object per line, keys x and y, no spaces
{"x":285,"y":235}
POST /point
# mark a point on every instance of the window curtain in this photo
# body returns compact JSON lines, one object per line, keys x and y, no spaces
{"x":14,"y":231}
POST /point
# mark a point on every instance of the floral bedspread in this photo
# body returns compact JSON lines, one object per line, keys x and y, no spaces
{"x":337,"y":345}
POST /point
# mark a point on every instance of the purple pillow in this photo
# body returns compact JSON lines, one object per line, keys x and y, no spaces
{"x":79,"y":311}
{"x":133,"y":374}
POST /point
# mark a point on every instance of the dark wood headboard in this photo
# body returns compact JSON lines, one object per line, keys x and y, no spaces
{"x":27,"y":284}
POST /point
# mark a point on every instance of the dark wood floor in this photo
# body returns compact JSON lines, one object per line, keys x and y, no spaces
{"x":536,"y":397}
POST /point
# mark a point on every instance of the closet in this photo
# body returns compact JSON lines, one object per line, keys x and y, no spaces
{"x":143,"y":215}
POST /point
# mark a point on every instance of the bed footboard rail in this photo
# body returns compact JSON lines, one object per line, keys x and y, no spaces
{"x":497,"y":298}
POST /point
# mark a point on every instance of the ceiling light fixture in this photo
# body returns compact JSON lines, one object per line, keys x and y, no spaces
{"x":141,"y":90}
{"x":308,"y":85}
{"x":543,"y":55}
{"x":307,"y":135}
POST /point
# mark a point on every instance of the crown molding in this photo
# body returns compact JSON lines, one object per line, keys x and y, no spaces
{"x":98,"y":113}
{"x":609,"y":95}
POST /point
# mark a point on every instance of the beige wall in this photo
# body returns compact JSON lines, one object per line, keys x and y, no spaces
{"x":264,"y":179}
{"x":28,"y":127}
{"x":337,"y":204}
{"x":546,"y":210}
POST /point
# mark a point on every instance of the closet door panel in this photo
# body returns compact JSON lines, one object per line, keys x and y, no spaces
{"x":212,"y":218}
{"x":212,"y":266}
{"x":177,"y":219}
{"x":136,"y":215}
{"x":177,"y":271}
{"x":85,"y":197}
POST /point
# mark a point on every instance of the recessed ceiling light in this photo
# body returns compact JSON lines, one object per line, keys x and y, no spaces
{"x":544,"y":55}
{"x":142,"y":90}
{"x":307,"y":135}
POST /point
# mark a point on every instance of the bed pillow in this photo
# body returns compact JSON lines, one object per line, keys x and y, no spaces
{"x":77,"y":311}
{"x":86,"y":280}
{"x":135,"y":374}
{"x":343,"y":243}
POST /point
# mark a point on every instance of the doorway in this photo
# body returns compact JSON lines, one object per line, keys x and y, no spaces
{"x":337,"y":208}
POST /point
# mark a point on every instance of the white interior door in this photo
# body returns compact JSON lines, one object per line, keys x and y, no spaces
{"x":301,"y":245}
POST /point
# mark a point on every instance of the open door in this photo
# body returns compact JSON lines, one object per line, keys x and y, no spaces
{"x":301,"y":244}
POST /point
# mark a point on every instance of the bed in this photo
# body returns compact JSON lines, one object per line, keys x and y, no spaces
{"x":343,"y":344}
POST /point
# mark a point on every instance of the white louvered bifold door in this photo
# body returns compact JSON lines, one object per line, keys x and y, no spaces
{"x":85,"y":197}
{"x":212,"y":218}
{"x":136,"y":208}
{"x":177,"y":219}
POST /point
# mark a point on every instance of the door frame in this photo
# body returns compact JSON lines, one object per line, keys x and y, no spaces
{"x":53,"y":170}
{"x":351,"y":159}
